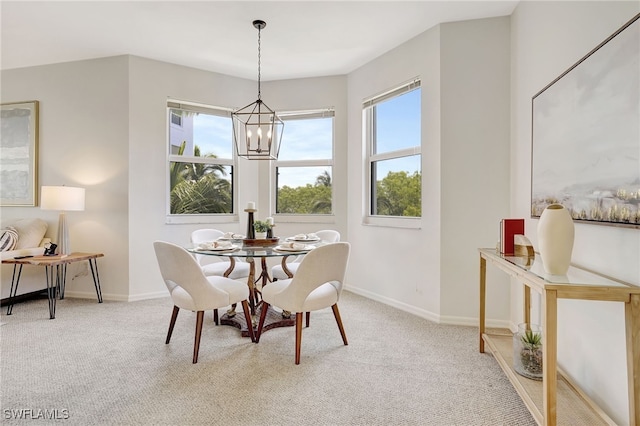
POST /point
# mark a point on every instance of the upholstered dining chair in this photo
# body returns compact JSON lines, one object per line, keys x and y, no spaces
{"x":316,"y":285}
{"x":326,"y":235}
{"x":191,"y":289}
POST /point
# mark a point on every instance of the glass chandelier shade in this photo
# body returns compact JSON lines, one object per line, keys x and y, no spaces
{"x":257,"y":129}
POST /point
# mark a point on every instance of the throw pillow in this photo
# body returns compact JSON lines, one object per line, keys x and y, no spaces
{"x":8,"y":239}
{"x":30,"y":232}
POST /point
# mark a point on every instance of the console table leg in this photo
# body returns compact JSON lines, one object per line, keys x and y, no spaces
{"x":549,"y":355}
{"x":632,"y":331}
{"x":14,"y":288}
{"x":96,"y":278}
{"x":52,"y":288}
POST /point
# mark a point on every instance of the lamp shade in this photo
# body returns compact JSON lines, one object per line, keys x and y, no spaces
{"x":63,"y":198}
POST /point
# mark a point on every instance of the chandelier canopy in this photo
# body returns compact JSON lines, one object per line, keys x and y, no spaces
{"x":257,"y":129}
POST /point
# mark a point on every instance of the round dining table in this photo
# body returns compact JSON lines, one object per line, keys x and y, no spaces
{"x":255,"y":283}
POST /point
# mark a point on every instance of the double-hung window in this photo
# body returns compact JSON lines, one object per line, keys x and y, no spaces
{"x":393,"y":147}
{"x":201,"y":161}
{"x":304,"y":168}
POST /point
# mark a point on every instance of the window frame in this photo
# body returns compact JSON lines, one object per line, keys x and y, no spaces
{"x":215,"y":218}
{"x":368,"y":138}
{"x":325,"y":162}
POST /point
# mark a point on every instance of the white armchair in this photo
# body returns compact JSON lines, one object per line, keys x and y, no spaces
{"x":277,"y":272}
{"x":317,"y":285}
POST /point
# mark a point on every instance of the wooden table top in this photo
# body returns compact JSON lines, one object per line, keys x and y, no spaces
{"x":53,"y":260}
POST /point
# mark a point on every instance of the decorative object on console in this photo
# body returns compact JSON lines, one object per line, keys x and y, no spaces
{"x":257,"y":129}
{"x":509,"y":228}
{"x":62,"y":198}
{"x":527,"y":351}
{"x":555,"y":239}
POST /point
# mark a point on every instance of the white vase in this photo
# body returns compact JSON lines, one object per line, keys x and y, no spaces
{"x":555,"y":239}
{"x":261,"y":235}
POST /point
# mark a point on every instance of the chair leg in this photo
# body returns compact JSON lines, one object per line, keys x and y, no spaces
{"x":215,"y":317}
{"x":263,"y":315}
{"x":247,"y":317}
{"x":336,"y":314}
{"x":298,"y":335}
{"x":196,"y":343}
{"x":308,"y":318}
{"x":174,"y":315}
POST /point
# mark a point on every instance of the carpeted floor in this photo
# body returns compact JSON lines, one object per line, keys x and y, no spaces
{"x":107,"y":364}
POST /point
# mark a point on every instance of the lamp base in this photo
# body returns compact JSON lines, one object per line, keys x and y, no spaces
{"x":63,"y":235}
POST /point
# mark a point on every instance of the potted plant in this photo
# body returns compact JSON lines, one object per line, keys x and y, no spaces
{"x":527,"y":348}
{"x":261,"y":227}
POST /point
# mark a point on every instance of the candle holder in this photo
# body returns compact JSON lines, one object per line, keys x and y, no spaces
{"x":251,"y":233}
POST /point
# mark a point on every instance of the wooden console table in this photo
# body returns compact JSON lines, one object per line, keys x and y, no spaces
{"x":556,"y":400}
{"x":56,"y":288}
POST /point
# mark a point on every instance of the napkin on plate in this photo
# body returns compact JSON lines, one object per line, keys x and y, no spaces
{"x":293,"y":246}
{"x":232,"y":236}
{"x":215,"y":245}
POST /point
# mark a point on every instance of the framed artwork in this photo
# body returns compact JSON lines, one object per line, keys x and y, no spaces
{"x":586,"y":135}
{"x":19,"y":154}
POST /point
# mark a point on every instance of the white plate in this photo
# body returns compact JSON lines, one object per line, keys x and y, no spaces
{"x":303,"y":240}
{"x":239,"y":237}
{"x":219,"y":249}
{"x":281,"y":248}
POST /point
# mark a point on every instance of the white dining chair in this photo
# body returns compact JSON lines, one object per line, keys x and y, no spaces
{"x":317,"y":285}
{"x":214,"y":265}
{"x":278,"y":273}
{"x":190,"y":289}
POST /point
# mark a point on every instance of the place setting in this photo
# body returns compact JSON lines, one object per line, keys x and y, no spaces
{"x":231,"y":236}
{"x":217,"y":246}
{"x":305,"y":238}
{"x":294,"y":247}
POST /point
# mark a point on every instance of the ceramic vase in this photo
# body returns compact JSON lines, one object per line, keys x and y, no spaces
{"x":555,"y":239}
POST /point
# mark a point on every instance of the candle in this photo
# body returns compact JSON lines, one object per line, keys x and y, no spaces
{"x":270,"y":221}
{"x":251,"y":205}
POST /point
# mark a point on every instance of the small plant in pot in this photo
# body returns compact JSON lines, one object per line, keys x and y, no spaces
{"x":527,"y":357}
{"x":261,"y":227}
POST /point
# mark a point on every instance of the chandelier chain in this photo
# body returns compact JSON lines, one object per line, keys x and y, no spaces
{"x":259,"y":31}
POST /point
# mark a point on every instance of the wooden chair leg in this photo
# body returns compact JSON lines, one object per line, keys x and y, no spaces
{"x":215,"y":317}
{"x":174,"y":315}
{"x":336,"y":314}
{"x":196,"y":344}
{"x":298,"y":335}
{"x":263,"y":315}
{"x":247,"y":317}
{"x":308,"y":318}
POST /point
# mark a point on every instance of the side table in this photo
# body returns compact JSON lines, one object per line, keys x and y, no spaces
{"x":60,"y":263}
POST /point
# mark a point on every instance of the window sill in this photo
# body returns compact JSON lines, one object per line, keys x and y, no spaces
{"x":393,"y":222}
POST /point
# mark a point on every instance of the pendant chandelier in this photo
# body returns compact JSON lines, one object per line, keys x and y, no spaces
{"x":257,"y":129}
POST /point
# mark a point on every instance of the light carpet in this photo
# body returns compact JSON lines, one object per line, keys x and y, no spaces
{"x":107,"y":364}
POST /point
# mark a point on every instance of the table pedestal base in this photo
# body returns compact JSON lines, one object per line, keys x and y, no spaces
{"x":273,"y":320}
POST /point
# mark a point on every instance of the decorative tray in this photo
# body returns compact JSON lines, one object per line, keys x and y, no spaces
{"x":262,"y":242}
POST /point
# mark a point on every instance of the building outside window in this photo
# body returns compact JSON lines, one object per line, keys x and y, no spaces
{"x":304,"y":168}
{"x":201,"y":160}
{"x":393,"y":138}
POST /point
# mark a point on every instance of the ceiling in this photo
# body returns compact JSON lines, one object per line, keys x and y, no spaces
{"x":301,"y":39}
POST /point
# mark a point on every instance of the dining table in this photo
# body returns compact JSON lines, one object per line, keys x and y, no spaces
{"x":239,"y":251}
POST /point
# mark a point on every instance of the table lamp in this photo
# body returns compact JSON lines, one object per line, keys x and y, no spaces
{"x":64,"y":199}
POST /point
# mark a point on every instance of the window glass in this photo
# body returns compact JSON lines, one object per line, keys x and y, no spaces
{"x":200,"y":161}
{"x":305,"y":165}
{"x":393,"y":138}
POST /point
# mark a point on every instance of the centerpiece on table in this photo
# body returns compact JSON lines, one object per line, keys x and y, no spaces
{"x":263,"y":234}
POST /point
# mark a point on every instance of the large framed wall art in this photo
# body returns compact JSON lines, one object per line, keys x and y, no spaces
{"x":19,"y":154}
{"x":586,"y":135}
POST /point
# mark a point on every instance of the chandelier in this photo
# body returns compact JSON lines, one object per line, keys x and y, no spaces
{"x":257,"y":129}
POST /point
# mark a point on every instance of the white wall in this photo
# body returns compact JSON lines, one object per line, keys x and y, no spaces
{"x":433,"y":271}
{"x":547,"y":38}
{"x":83,"y":142}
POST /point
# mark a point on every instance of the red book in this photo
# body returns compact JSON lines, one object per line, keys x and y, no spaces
{"x":509,"y":228}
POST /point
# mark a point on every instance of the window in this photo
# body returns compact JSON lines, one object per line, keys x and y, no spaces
{"x":304,"y":169}
{"x":392,"y":135}
{"x":201,"y":160}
